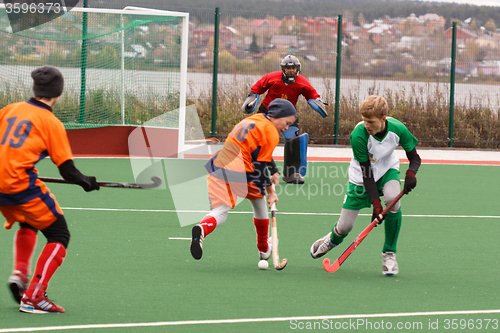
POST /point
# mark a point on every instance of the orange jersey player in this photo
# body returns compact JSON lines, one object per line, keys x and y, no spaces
{"x":29,"y":132}
{"x":244,"y":168}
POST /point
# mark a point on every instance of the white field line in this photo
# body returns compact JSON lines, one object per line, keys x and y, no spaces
{"x":278,"y":213}
{"x":249,"y":320}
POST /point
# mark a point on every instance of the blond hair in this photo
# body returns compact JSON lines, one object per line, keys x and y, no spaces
{"x":374,"y":106}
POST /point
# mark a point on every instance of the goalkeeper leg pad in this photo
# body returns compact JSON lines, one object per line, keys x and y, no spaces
{"x":295,"y":159}
{"x":304,"y":140}
{"x":290,"y":133}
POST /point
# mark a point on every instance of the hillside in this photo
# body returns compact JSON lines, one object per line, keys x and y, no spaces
{"x":371,"y":9}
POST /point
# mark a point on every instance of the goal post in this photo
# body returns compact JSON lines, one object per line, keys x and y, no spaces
{"x":183,"y":67}
{"x":121,"y":66}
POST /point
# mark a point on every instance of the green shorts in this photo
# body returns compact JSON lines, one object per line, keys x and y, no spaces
{"x":357,"y":198}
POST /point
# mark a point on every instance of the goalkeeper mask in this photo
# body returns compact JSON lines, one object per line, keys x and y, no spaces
{"x":290,"y":61}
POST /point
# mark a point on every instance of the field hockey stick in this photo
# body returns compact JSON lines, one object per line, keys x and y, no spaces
{"x":274,"y":235}
{"x":212,"y":140}
{"x":336,"y":264}
{"x":156,"y":181}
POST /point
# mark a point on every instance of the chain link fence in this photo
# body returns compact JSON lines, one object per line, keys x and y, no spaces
{"x":408,"y":60}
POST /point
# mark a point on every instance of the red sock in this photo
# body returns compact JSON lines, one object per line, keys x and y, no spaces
{"x":208,"y":224}
{"x":24,"y":246}
{"x":49,"y":261}
{"x":262,"y":228}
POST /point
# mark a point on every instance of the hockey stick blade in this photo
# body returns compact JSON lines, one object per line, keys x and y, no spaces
{"x":336,"y":264}
{"x":274,"y":235}
{"x":156,"y":181}
{"x":209,"y":140}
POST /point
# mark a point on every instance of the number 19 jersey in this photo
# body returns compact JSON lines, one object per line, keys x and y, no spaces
{"x":28,"y":133}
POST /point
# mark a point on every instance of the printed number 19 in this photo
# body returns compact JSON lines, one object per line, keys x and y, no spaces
{"x":21,"y":132}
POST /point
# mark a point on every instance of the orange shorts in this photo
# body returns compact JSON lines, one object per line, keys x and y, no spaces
{"x":221,"y":192}
{"x":40,"y":212}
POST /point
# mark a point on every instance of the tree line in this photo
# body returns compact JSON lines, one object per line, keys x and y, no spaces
{"x":371,"y":9}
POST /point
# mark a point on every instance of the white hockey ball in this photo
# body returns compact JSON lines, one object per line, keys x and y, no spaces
{"x":263,"y":264}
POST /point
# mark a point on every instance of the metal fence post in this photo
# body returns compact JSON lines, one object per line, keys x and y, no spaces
{"x":452,"y":83}
{"x":215,"y":72}
{"x":83,"y":80}
{"x":337,"y":81}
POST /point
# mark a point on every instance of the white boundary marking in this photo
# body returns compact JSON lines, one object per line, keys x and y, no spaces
{"x":247,"y":320}
{"x":280,"y":213}
{"x":250,"y":320}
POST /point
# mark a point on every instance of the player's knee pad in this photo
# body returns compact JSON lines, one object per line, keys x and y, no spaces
{"x":391,"y":190}
{"x":295,"y":155}
{"x":290,"y":133}
{"x":58,"y":232}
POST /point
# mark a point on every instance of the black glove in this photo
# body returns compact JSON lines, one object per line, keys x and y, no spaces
{"x":89,"y":184}
{"x":410,"y":181}
{"x":377,"y":211}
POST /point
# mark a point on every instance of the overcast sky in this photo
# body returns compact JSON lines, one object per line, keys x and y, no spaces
{"x":471,"y":2}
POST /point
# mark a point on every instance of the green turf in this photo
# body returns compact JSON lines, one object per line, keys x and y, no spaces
{"x":121,"y":266}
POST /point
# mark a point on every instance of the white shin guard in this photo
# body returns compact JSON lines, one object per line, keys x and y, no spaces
{"x":346,"y":221}
{"x":259,"y":207}
{"x":220,"y":214}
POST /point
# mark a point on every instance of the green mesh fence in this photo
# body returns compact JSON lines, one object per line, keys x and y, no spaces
{"x":406,"y":60}
{"x":119,"y":67}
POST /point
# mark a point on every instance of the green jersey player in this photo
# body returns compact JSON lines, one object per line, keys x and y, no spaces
{"x":374,"y":172}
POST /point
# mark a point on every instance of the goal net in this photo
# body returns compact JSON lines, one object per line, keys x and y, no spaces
{"x":121,"y":67}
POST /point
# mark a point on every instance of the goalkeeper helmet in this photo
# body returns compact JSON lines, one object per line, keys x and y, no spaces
{"x":287,"y":62}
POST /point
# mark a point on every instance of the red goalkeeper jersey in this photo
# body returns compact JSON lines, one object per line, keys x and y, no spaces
{"x":276,"y":88}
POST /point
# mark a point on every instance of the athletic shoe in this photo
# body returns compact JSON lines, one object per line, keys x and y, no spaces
{"x":197,"y":241}
{"x":41,"y":304}
{"x":294,"y":178}
{"x":322,"y":246}
{"x":390,"y":265}
{"x":267,"y":254}
{"x":18,"y":283}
